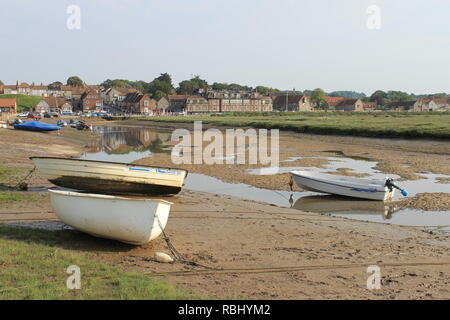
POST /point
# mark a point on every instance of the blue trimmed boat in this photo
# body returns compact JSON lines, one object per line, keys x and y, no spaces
{"x":381,"y":190}
{"x":37,"y":126}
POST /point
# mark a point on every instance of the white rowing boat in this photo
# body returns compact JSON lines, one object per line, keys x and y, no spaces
{"x":134,"y":221}
{"x":343,"y":185}
{"x":110,"y":177}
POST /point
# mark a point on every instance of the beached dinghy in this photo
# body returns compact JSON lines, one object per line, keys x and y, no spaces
{"x":381,"y":190}
{"x":134,"y":221}
{"x":36,"y":126}
{"x":110,"y":177}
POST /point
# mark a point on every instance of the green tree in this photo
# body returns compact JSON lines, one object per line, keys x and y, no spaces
{"x":398,"y":96}
{"x":317,"y":97}
{"x":160,"y":86}
{"x":75,"y":81}
{"x":189,"y":86}
{"x":1,"y":83}
{"x":56,"y":84}
{"x":379,"y":96}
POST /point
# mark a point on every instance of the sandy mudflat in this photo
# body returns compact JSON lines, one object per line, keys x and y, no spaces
{"x":257,"y":251}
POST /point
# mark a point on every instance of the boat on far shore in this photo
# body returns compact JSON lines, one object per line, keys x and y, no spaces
{"x":130,"y":220}
{"x":36,"y":126}
{"x":110,"y":177}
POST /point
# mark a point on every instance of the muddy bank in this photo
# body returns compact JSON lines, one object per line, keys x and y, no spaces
{"x":427,"y":202}
{"x":256,"y":251}
{"x":253,"y":250}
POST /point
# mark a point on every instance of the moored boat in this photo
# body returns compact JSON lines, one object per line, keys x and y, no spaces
{"x":110,"y":177}
{"x":36,"y":126}
{"x":380,"y":190}
{"x":133,"y":221}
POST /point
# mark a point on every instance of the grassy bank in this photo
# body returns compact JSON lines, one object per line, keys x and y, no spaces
{"x":24,"y":103}
{"x":33,"y":265}
{"x":377,"y":124}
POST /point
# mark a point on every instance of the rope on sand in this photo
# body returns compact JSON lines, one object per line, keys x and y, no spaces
{"x":290,"y":269}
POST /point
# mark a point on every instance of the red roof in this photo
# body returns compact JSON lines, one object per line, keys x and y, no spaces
{"x":7,"y":102}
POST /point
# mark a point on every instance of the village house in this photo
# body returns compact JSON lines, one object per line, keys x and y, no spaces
{"x":409,"y":105}
{"x":115,"y":95}
{"x":53,"y":104}
{"x":177,"y":102}
{"x":197,"y":104}
{"x":10,"y":89}
{"x":136,"y":102}
{"x":369,"y":106}
{"x":8,"y":106}
{"x":431,"y":104}
{"x":350,"y":105}
{"x":292,"y":102}
{"x":331,"y":102}
{"x":163,"y":104}
{"x":91,"y":100}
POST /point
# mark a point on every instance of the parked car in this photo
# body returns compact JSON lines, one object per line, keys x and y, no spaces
{"x":47,"y":115}
{"x":23,"y":114}
{"x":54,"y":114}
{"x":34,"y":115}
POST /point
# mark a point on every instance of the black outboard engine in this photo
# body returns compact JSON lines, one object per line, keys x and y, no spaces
{"x":391,"y":185}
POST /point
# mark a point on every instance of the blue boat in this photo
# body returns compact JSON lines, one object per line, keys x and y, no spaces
{"x":36,"y":126}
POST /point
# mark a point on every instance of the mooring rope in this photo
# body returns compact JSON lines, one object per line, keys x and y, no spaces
{"x":290,"y":268}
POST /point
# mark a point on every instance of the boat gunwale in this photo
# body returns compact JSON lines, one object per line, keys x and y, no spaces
{"x":102,"y":196}
{"x":113,"y":162}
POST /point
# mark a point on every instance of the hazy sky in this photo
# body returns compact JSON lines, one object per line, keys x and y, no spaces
{"x":302,"y":44}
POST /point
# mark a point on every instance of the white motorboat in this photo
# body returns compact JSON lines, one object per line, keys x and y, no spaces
{"x":110,"y":177}
{"x":134,"y":221}
{"x":381,"y":190}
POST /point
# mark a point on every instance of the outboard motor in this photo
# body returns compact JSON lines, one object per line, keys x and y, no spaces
{"x":391,"y":185}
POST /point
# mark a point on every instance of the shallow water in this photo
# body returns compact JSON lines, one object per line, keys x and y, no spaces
{"x":127,"y":144}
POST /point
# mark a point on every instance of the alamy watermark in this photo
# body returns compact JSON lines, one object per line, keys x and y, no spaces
{"x":374,"y":279}
{"x":374,"y":17}
{"x":74,"y":19}
{"x":235,"y":146}
{"x":74,"y":280}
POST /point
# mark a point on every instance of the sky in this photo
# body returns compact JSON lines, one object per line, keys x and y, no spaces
{"x":285,"y":44}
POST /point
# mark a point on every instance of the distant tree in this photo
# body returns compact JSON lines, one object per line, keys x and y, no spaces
{"x":160,"y":86}
{"x":230,"y":87}
{"x":56,"y":84}
{"x":348,"y":94}
{"x":75,"y":81}
{"x":189,"y":86}
{"x":165,"y":77}
{"x":1,"y":83}
{"x":379,"y":96}
{"x":219,"y":86}
{"x":263,"y":90}
{"x":317,"y":97}
{"x":397,"y":96}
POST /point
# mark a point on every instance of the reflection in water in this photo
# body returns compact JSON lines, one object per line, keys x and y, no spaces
{"x":126,"y":144}
{"x":343,"y":205}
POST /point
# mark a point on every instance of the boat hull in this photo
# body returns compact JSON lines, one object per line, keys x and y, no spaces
{"x":36,"y":126}
{"x":110,"y":177}
{"x":133,"y":221}
{"x":344,"y":186}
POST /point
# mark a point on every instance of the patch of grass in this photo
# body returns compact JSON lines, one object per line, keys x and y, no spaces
{"x":7,"y":173}
{"x":375,"y":124}
{"x":33,"y":265}
{"x":24,"y":102}
{"x":8,"y":198}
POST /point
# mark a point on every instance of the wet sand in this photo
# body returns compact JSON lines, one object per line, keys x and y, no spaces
{"x":258,"y":251}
